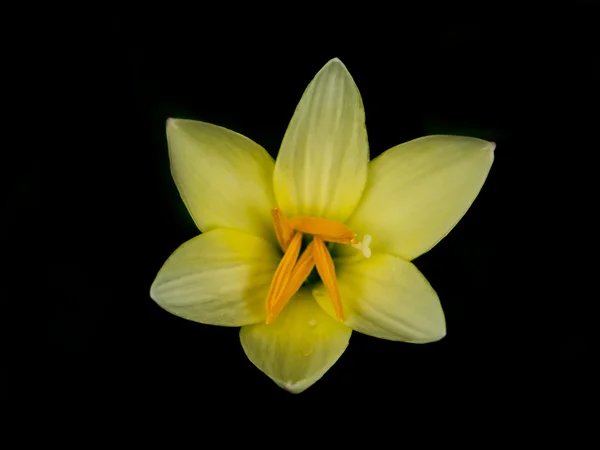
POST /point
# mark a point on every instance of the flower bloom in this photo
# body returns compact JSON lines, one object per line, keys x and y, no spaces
{"x":300,"y":251}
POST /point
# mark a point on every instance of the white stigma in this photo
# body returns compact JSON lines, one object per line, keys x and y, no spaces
{"x":364,"y":245}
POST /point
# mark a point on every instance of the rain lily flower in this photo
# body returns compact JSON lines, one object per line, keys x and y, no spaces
{"x":301,"y":251}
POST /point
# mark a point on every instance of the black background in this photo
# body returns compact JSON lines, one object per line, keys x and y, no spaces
{"x":100,"y":213}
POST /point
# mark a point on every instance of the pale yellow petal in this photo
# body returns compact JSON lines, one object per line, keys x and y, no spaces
{"x":388,"y":298}
{"x":321,"y":168}
{"x":224,"y":178}
{"x":219,"y":278}
{"x":298,"y":348}
{"x":418,"y":191}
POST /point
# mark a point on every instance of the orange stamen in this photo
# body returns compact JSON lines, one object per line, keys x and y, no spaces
{"x":326,"y":271}
{"x":284,"y":270}
{"x":327,"y":230}
{"x":282,"y":228}
{"x":300,"y":273}
{"x":292,"y":272}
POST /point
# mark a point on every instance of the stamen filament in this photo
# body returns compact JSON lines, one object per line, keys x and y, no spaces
{"x":283,"y":231}
{"x":284,"y":270}
{"x":327,"y":230}
{"x":293,"y":271}
{"x":300,"y":273}
{"x":326,"y":271}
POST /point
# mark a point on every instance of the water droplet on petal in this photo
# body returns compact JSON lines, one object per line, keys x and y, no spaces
{"x":307,"y":351}
{"x":312,"y":323}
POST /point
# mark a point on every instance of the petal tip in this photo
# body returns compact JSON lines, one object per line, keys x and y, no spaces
{"x":288,"y":387}
{"x":170,"y":122}
{"x":333,"y":62}
{"x":491,"y":146}
{"x":439,"y":331}
{"x":294,"y":387}
{"x":428,"y":338}
{"x":152,"y":291}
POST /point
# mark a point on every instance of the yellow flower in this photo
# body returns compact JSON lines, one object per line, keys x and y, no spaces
{"x":321,"y":204}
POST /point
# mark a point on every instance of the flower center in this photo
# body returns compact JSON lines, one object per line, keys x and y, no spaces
{"x":295,"y":268}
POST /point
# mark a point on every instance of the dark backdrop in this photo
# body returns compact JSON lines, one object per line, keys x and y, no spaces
{"x":101,"y":214}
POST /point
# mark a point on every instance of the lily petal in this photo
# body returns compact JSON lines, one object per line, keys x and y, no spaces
{"x":388,"y":298}
{"x":418,"y":191}
{"x":219,"y":278}
{"x":298,"y":348}
{"x":321,"y":168}
{"x":224,"y":178}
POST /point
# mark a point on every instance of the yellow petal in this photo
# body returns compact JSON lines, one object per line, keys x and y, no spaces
{"x":218,"y":278}
{"x":299,"y":347}
{"x":418,"y":191}
{"x":321,"y":168}
{"x":224,"y":178}
{"x":388,"y":298}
